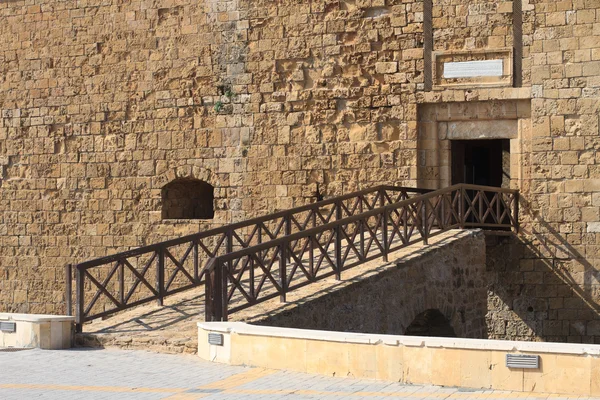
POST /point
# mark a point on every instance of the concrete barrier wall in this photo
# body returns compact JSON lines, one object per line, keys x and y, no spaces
{"x":51,"y":332}
{"x":474,"y":363}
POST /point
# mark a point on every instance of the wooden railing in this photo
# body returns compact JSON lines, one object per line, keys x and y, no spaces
{"x":242,"y":278}
{"x":110,"y":284}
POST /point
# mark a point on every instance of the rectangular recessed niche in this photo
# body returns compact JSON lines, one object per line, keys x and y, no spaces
{"x":522,"y":361}
{"x":472,"y":69}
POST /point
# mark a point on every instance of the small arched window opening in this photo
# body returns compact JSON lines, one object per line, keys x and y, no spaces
{"x":188,"y":199}
{"x":430,"y":323}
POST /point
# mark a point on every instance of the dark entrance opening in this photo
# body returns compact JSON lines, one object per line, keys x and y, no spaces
{"x":188,"y":199}
{"x":430,"y":323}
{"x":481,"y":162}
{"x":485,"y":163}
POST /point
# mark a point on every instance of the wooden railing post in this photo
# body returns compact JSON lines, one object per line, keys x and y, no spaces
{"x":461,"y":207}
{"x":516,"y":212}
{"x":214,"y":292}
{"x":424,"y":221}
{"x":288,"y":224}
{"x":209,"y":294}
{"x":222,"y":291}
{"x":481,"y":201}
{"x":384,"y":234}
{"x":338,"y":241}
{"x":196,"y":260}
{"x":443,"y":212}
{"x":496,"y":198}
{"x":79,"y":306}
{"x":251,"y":283}
{"x":384,"y":225}
{"x":361,"y":228}
{"x":160,"y":276}
{"x":229,"y":245}
{"x":122,"y":283}
{"x":258,"y":241}
{"x":288,"y":232}
{"x":283,"y":270}
{"x":69,"y":289}
{"x":311,"y":256}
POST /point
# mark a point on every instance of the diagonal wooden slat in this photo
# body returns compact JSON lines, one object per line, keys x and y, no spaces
{"x":178,"y":267}
{"x":350,"y":243}
{"x":246,"y":266}
{"x":246,"y":243}
{"x":505,"y":211}
{"x":489,"y":210}
{"x":275,"y":233}
{"x":371,"y":205}
{"x":239,"y":240}
{"x":373,"y":236}
{"x":397,"y":228}
{"x":141,"y":277}
{"x":267,"y":274}
{"x":213,"y":253}
{"x":299,"y":264}
{"x":325,"y":254}
{"x":238,"y":285}
{"x":344,"y":207}
{"x":387,"y":197}
{"x":102,"y":287}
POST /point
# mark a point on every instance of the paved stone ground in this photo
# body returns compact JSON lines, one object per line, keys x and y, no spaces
{"x":172,"y":328}
{"x":120,"y":374}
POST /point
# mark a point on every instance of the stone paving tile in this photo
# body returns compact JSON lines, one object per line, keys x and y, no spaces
{"x":137,"y":375}
{"x":19,"y":394}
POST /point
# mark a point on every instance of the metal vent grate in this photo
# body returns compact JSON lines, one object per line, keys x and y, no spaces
{"x":8,"y":327}
{"x":522,"y":361}
{"x":215,"y":338}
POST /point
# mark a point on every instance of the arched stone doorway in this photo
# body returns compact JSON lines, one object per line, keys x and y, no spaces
{"x":430,"y":323}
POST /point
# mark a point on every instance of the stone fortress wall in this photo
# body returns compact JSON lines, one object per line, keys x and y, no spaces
{"x":104,"y":102}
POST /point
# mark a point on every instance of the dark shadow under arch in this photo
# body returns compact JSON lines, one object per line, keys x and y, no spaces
{"x":188,"y":199}
{"x":430,"y":323}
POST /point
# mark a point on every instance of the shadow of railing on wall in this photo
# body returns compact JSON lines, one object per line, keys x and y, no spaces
{"x":548,"y":283}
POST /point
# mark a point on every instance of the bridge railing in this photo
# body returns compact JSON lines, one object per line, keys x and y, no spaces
{"x":240,"y":279}
{"x":110,"y":284}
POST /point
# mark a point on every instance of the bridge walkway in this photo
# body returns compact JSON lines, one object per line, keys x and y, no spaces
{"x":171,"y":328}
{"x":252,"y":268}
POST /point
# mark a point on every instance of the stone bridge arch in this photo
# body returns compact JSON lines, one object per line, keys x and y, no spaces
{"x":450,"y":303}
{"x":431,"y":322}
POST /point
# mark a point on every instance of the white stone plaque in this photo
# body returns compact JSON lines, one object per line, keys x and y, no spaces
{"x":471,"y":69}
